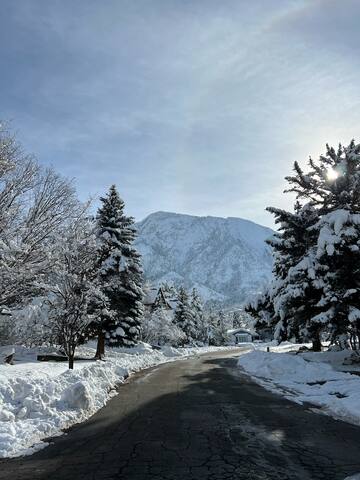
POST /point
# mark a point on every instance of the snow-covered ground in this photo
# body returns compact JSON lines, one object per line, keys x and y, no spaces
{"x":318,"y":378}
{"x":39,"y":399}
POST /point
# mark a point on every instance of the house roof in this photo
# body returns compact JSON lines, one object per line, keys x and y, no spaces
{"x":150,"y":296}
{"x":173,"y":302}
{"x":163,"y":296}
{"x":155,"y":294}
{"x":240,"y":331}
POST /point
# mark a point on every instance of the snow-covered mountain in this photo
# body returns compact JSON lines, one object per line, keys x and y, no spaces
{"x":226,"y":259}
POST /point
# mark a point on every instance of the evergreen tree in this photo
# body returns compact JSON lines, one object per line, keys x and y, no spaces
{"x":184,"y":318}
{"x":120,"y":274}
{"x":219,"y":329}
{"x":333,"y":185}
{"x":240,"y":319}
{"x":338,"y":252}
{"x":316,"y":283}
{"x":132,"y":299}
{"x":169,"y":289}
{"x":212,"y":321}
{"x":236,"y":320}
{"x":200,"y":327}
{"x":261,"y":309}
{"x":295,"y":291}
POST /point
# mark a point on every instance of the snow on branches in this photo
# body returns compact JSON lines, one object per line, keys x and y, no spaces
{"x":316,"y":286}
{"x":73,"y":287}
{"x":119,"y":274}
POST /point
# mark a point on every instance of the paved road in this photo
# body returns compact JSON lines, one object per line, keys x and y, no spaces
{"x":197,"y":419}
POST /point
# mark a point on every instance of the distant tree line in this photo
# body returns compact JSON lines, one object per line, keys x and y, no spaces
{"x":189,"y":323}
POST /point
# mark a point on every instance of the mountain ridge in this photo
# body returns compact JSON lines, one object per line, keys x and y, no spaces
{"x":166,"y":212}
{"x":226,"y":259}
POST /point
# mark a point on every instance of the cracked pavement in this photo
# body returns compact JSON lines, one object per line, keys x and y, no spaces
{"x":195,"y":419}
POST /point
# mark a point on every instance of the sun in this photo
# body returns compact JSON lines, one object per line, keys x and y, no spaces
{"x":332,"y":174}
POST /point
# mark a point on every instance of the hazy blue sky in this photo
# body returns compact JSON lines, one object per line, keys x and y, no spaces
{"x":193,"y":106}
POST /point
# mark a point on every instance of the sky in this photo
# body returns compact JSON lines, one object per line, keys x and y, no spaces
{"x":191,"y":106}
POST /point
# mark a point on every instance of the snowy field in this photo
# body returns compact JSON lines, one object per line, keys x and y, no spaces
{"x":40,"y":399}
{"x":320,"y":379}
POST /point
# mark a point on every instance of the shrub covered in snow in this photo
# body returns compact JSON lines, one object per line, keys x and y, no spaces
{"x":158,"y":328}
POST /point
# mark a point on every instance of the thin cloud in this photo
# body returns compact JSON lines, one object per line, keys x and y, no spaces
{"x":196,"y":107}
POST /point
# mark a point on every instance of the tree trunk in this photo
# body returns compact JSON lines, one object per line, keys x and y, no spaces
{"x":71,"y":362}
{"x":100,"y":348}
{"x":316,"y":342}
{"x":9,"y":359}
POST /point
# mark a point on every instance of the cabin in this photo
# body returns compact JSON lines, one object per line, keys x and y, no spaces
{"x":241,"y":335}
{"x":157,"y":298}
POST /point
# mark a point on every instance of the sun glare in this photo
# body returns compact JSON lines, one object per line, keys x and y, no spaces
{"x":332,"y":174}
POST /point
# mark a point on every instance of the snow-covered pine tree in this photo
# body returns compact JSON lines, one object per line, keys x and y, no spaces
{"x":120,"y":274}
{"x":261,"y":309}
{"x":240,"y":319}
{"x":184,"y":317}
{"x":220,"y":328}
{"x":211,"y":321}
{"x":295,"y":290}
{"x":197,"y":308}
{"x":338,"y":253}
{"x":169,"y":289}
{"x":236,"y":320}
{"x":333,"y":185}
{"x":132,"y":294}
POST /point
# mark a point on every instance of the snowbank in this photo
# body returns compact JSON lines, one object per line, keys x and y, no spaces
{"x":39,"y":399}
{"x":302,"y":380}
{"x":335,"y":359}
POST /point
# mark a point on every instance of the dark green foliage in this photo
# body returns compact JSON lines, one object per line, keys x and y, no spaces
{"x":120,"y":272}
{"x":316,"y":285}
{"x":184,"y":317}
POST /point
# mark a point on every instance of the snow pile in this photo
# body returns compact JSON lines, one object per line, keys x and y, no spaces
{"x":283,"y":347}
{"x":39,"y":399}
{"x":337,"y":359}
{"x":337,"y":393}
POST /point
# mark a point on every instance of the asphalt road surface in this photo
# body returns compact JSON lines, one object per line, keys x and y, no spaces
{"x":197,"y":419}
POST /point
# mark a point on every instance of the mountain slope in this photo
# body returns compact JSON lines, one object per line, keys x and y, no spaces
{"x":225,"y":258}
